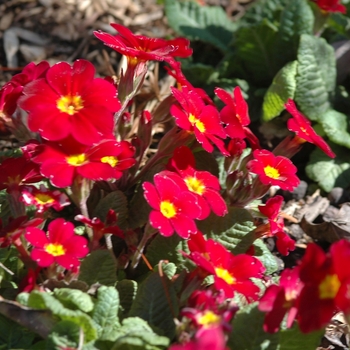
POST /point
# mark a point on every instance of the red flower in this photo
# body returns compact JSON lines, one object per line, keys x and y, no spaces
{"x":195,"y":116}
{"x":44,"y":198}
{"x":139,"y":48}
{"x":274,"y":170}
{"x":61,"y":245}
{"x":202,"y":184}
{"x":61,"y":163}
{"x":174,"y":209}
{"x":16,"y":172}
{"x":330,"y":5}
{"x":280,"y":300}
{"x":303,"y":129}
{"x":71,"y":102}
{"x":206,"y":339}
{"x":235,"y":113}
{"x":326,"y":279}
{"x":275,"y":227}
{"x":231,"y":272}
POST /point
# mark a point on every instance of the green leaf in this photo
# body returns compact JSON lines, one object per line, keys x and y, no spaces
{"x":208,"y":24}
{"x":282,"y":88}
{"x":63,"y":335}
{"x":14,"y":336}
{"x":263,"y":9}
{"x":105,"y":312}
{"x":117,"y":201}
{"x":168,"y":248}
{"x":265,"y":256}
{"x":74,"y":298}
{"x":330,"y":173}
{"x":255,"y":45}
{"x":232,"y":230}
{"x":335,"y":125}
{"x":127,"y":290}
{"x":315,"y":77}
{"x":296,"y":19}
{"x":252,"y":337}
{"x":42,"y":300}
{"x":156,"y":303}
{"x":98,"y":267}
{"x":293,"y":339}
{"x":136,"y":334}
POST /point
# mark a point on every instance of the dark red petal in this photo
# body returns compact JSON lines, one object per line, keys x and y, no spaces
{"x":151,"y":195}
{"x":183,"y":225}
{"x":60,"y":231}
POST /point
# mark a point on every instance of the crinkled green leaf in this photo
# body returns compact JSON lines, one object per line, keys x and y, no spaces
{"x":269,"y":9}
{"x":255,"y":45}
{"x":156,"y":302}
{"x":265,"y":256}
{"x":198,"y":73}
{"x":105,"y":312}
{"x":247,"y":331}
{"x":208,"y":24}
{"x":98,"y":267}
{"x":282,"y":88}
{"x":14,"y":336}
{"x":315,"y":76}
{"x":127,"y":290}
{"x":327,"y":172}
{"x":296,"y":19}
{"x":74,"y":298}
{"x":335,"y":125}
{"x":64,"y":334}
{"x":168,"y":248}
{"x":232,"y":230}
{"x":136,"y":334}
{"x":293,"y":339}
{"x":42,"y":300}
{"x":117,"y":201}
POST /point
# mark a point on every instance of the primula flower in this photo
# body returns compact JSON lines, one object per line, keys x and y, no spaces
{"x":43,"y":198}
{"x":235,"y":113}
{"x":195,"y":116}
{"x":17,"y":172}
{"x":140,"y":48}
{"x":61,"y":245}
{"x":202,"y":184}
{"x":70,"y":101}
{"x":303,"y":129}
{"x":173,"y":208}
{"x":275,"y":226}
{"x":232,"y":273}
{"x":330,"y":5}
{"x":61,"y":163}
{"x":206,"y":310}
{"x":205,"y":339}
{"x":280,"y":300}
{"x":274,"y":170}
{"x":326,"y":279}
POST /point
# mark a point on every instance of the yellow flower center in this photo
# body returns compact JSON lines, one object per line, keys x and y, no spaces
{"x":195,"y":185}
{"x":196,"y":122}
{"x":55,"y":249}
{"x":76,"y":160}
{"x":167,"y":209}
{"x":209,"y":318}
{"x":225,"y":275}
{"x":43,"y":198}
{"x":112,"y":161}
{"x":70,"y":104}
{"x":271,"y":172}
{"x":329,"y":287}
